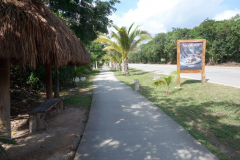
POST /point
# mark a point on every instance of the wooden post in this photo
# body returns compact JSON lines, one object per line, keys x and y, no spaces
{"x":5,"y":97}
{"x":203,"y":77}
{"x":56,"y":92}
{"x":49,"y":82}
{"x":178,"y":81}
{"x":178,"y":65}
{"x":203,"y":62}
{"x":136,"y":81}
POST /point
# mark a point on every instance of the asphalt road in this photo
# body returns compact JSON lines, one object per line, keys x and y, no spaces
{"x":222,"y":75}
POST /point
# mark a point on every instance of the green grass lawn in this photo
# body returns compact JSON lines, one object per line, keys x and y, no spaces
{"x":209,"y":112}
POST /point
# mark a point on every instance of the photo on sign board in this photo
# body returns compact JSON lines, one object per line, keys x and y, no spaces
{"x":191,"y":55}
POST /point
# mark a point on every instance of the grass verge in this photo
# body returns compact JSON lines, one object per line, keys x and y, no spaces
{"x":80,"y":96}
{"x":209,"y":112}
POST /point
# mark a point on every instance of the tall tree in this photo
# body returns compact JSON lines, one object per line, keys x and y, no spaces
{"x":85,"y":17}
{"x":124,"y":41}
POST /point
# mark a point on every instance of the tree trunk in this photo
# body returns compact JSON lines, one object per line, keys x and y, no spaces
{"x":168,"y":91}
{"x":49,"y":81}
{"x":126,"y":68}
{"x":56,"y":92}
{"x":5,"y":97}
{"x":123,"y":65}
{"x":96,"y":65}
{"x":119,"y":67}
{"x":112,"y":66}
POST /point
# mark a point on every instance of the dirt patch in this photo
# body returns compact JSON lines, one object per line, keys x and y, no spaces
{"x":58,"y":142}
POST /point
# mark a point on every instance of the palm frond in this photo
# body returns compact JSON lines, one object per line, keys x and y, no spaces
{"x":158,"y":82}
{"x":2,"y":152}
{"x":130,"y":28}
{"x":168,"y":80}
{"x":116,"y":56}
{"x":142,"y":35}
{"x":116,"y":36}
{"x":136,"y":28}
{"x":116,"y":27}
{"x":136,"y":43}
{"x":124,"y":38}
{"x":174,"y":73}
{"x":3,"y":140}
{"x":6,"y":141}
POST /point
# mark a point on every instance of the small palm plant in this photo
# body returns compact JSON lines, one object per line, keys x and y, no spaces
{"x":166,"y":80}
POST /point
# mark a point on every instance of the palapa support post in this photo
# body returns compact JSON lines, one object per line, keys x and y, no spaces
{"x":49,"y":81}
{"x":5,"y":97}
{"x":56,"y":92}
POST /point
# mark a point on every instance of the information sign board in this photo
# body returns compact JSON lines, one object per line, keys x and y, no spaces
{"x":191,"y":57}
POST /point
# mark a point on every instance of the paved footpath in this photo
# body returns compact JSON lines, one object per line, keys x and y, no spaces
{"x":123,"y":125}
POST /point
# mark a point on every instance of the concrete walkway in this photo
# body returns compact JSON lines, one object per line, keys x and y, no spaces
{"x":123,"y":125}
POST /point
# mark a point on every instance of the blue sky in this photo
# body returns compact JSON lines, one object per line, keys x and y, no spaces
{"x":157,"y":16}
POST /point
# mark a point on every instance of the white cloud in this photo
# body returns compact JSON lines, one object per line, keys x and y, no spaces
{"x":227,"y":14}
{"x":157,"y":16}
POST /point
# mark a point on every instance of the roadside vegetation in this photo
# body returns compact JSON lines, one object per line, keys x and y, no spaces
{"x":222,"y":45}
{"x":209,"y":112}
{"x":81,"y":95}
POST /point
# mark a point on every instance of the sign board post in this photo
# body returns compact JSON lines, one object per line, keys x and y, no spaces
{"x":191,"y":57}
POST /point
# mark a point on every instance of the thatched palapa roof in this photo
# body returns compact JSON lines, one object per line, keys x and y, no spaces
{"x":30,"y":34}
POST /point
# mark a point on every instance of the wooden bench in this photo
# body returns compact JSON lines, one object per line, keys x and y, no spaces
{"x":38,"y":116}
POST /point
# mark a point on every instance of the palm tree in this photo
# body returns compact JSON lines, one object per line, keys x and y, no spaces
{"x":116,"y":58}
{"x":124,"y":41}
{"x":166,"y":80}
